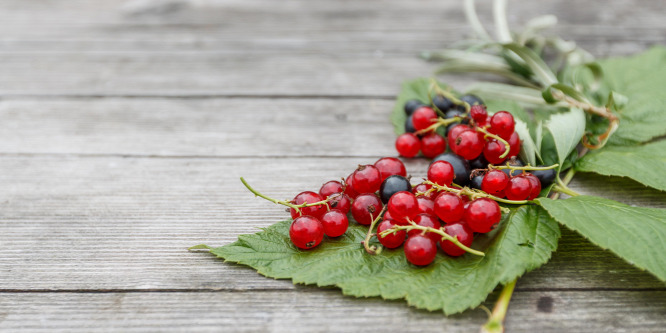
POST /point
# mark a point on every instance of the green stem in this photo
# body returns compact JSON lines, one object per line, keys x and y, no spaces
{"x":471,"y":193}
{"x":285,"y":202}
{"x":565,"y":190}
{"x":527,"y":167}
{"x":439,"y":91}
{"x":439,"y":123}
{"x":563,"y":182}
{"x":495,"y":323}
{"x":507,"y":147}
{"x":366,"y":243}
{"x":414,"y":226}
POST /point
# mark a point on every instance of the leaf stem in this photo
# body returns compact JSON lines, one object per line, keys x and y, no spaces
{"x":285,"y":202}
{"x":567,"y":178}
{"x":527,"y":167}
{"x":439,"y":91}
{"x":507,"y":147}
{"x":495,"y":323}
{"x":439,"y":123}
{"x":366,"y":242}
{"x":471,"y":193}
{"x":440,"y":231}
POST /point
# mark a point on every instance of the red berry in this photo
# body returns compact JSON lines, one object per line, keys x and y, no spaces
{"x":429,"y":221}
{"x":309,"y":197}
{"x":392,"y":240}
{"x":349,"y":187}
{"x":432,"y":145}
{"x":449,"y":207}
{"x":306,"y":232}
{"x":519,"y":188}
{"x":329,"y":188}
{"x":461,"y":231}
{"x":468,"y":144}
{"x":366,"y":208}
{"x":335,"y":223}
{"x":387,"y":216}
{"x":340,"y":202}
{"x":366,"y":179}
{"x":514,"y":144}
{"x":420,"y":250}
{"x":441,"y":172}
{"x":408,"y":145}
{"x":453,"y":133}
{"x":502,"y":124}
{"x":536,"y":185}
{"x":403,"y":206}
{"x":494,"y":182}
{"x":493,"y":150}
{"x":426,"y":205}
{"x":478,"y":113}
{"x":423,"y":117}
{"x":423,"y":188}
{"x":389,"y":166}
{"x":482,"y":214}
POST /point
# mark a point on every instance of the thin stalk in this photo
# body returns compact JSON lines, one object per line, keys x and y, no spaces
{"x":496,"y":137}
{"x":366,"y":243}
{"x":414,"y":226}
{"x":495,"y":323}
{"x":285,"y":202}
{"x":471,"y":193}
{"x":526,"y":168}
{"x":474,"y":21}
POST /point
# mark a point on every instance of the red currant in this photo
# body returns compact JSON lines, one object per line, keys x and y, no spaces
{"x":453,"y":133}
{"x":403,"y":206}
{"x":493,"y":150}
{"x":432,"y":145}
{"x":423,"y":117}
{"x":449,"y":207}
{"x":494,"y":182}
{"x":536,"y":185}
{"x":461,"y":231}
{"x":514,"y":144}
{"x":366,"y":179}
{"x":482,"y":214}
{"x":502,"y":124}
{"x":468,"y":144}
{"x":426,"y":205}
{"x":329,"y":188}
{"x":441,"y":172}
{"x":519,"y":188}
{"x":366,"y":208}
{"x":306,"y":232}
{"x":428,"y":221}
{"x":478,"y":113}
{"x":349,"y":187}
{"x":309,"y":197}
{"x":408,"y":145}
{"x":423,"y":188}
{"x":389,"y":166}
{"x":335,"y":223}
{"x":392,"y":240}
{"x":340,"y":202}
{"x":420,"y":250}
{"x":387,"y":216}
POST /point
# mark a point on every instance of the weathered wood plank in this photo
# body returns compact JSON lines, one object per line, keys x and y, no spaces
{"x":308,"y":310}
{"x":125,"y":223}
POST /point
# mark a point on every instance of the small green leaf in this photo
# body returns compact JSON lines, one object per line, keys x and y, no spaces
{"x":448,"y":284}
{"x":645,"y":164}
{"x":567,"y":129}
{"x":638,"y":235}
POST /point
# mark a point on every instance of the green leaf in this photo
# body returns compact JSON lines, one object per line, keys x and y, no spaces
{"x":413,"y":89}
{"x":448,"y":284}
{"x":645,"y":164}
{"x":538,"y":67}
{"x":567,"y":129}
{"x":636,"y":234}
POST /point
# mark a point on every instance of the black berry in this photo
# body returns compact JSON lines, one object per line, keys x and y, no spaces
{"x":546,"y":177}
{"x":476,"y":182}
{"x":471,"y":100}
{"x":461,"y":167}
{"x":392,"y":185}
{"x":412,"y":105}
{"x":442,"y":103}
{"x":478,"y":163}
{"x":515,"y":162}
{"x":409,"y":125}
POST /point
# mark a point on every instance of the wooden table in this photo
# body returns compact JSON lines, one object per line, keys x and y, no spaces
{"x":124,"y":127}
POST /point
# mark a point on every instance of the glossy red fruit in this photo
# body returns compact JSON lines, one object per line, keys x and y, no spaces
{"x":392,"y":240}
{"x":403,"y":206}
{"x":420,"y":250}
{"x":423,"y":188}
{"x":494,"y":182}
{"x":519,"y":188}
{"x":514,"y":143}
{"x":365,"y":208}
{"x":536,"y":185}
{"x":426,"y":205}
{"x":453,"y":133}
{"x":428,"y":221}
{"x":468,"y":144}
{"x":423,"y":117}
{"x":493,"y":150}
{"x":309,"y":197}
{"x":306,"y":232}
{"x":329,"y":188}
{"x":441,"y":172}
{"x":478,"y":113}
{"x":502,"y":124}
{"x":461,"y":231}
{"x":349,"y":187}
{"x":387,"y":216}
{"x":482,"y":214}
{"x":341,"y":202}
{"x":366,"y":179}
{"x":432,"y":145}
{"x":408,"y":145}
{"x":449,"y":207}
{"x":335,"y":223}
{"x":389,"y":166}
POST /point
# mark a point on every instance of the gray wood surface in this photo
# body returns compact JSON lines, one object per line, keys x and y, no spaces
{"x":124,"y":127}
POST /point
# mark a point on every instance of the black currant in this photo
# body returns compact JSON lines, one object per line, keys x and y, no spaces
{"x":478,"y":163}
{"x":516,"y":162}
{"x":392,"y":185}
{"x":409,"y":125}
{"x":546,"y":177}
{"x":471,"y":100}
{"x":460,"y":166}
{"x":456,"y":113}
{"x":412,"y":105}
{"x":476,"y":182}
{"x":442,"y":103}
